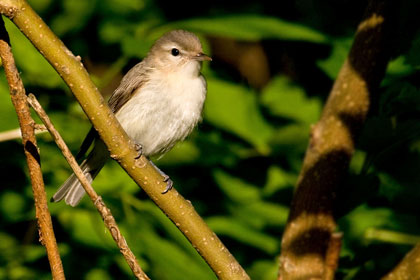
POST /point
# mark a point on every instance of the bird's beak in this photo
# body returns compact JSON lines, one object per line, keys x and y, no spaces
{"x":202,"y":57}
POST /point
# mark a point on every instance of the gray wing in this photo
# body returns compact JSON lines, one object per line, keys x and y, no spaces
{"x":133,"y":80}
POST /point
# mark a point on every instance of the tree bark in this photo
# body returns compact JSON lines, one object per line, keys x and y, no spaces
{"x":408,"y":268}
{"x":309,"y":232}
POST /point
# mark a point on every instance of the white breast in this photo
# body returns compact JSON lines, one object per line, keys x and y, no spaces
{"x":165,"y":111}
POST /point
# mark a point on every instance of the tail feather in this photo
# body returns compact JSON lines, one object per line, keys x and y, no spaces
{"x":71,"y":190}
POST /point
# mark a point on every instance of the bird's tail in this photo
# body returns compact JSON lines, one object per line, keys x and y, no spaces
{"x":71,"y":190}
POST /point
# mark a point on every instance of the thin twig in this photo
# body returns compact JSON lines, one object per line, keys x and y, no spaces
{"x":333,"y":255}
{"x":17,"y":133}
{"x":27,"y":125}
{"x":97,"y":200}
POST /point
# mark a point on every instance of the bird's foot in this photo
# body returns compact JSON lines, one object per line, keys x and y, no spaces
{"x":139,"y":149}
{"x":169,"y":183}
{"x":166,"y":179}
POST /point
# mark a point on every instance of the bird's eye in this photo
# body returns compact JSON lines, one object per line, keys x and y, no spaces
{"x":175,"y":52}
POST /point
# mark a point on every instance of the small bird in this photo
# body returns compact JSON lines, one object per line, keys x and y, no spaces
{"x":158,"y":103}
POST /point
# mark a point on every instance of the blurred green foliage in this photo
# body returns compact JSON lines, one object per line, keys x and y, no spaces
{"x":240,"y":166}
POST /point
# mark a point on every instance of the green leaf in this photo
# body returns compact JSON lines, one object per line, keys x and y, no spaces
{"x":124,"y":6}
{"x":278,"y":179}
{"x":390,"y":236}
{"x":235,"y":188}
{"x":235,"y":109}
{"x":112,"y":32}
{"x":168,"y":258}
{"x":86,"y":227}
{"x":12,"y":206}
{"x":250,"y":28}
{"x":286,"y":99}
{"x":398,"y":66}
{"x":75,"y":16}
{"x":362,"y":218}
{"x":183,"y":153}
{"x":340,"y":50}
{"x":120,"y":181}
{"x":264,"y":270}
{"x":35,"y":69}
{"x":33,"y":253}
{"x":260,"y":214}
{"x":291,"y":139}
{"x":135,"y":47}
{"x":40,"y":5}
{"x":98,"y":274}
{"x":233,"y":228}
{"x":8,"y":118}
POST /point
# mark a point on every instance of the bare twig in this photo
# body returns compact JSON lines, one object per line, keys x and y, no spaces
{"x":408,"y":268}
{"x":97,"y":200}
{"x":332,"y":255}
{"x":309,"y":231}
{"x":179,"y":210}
{"x":27,"y":124}
{"x":17,"y":133}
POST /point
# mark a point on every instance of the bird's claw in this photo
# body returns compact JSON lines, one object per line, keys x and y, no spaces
{"x":139,"y":149}
{"x":169,"y":183}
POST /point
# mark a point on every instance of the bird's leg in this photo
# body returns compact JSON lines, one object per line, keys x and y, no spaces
{"x":166,"y":179}
{"x":139,"y":149}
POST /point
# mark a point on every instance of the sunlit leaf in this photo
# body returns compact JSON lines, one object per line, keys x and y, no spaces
{"x":34,"y":252}
{"x":12,"y":206}
{"x":235,"y":188}
{"x":235,"y":109}
{"x":286,"y":99}
{"x":399,"y":66}
{"x":362,"y":218}
{"x":261,"y":213}
{"x":183,"y":153}
{"x":278,"y":179}
{"x":252,"y":28}
{"x":264,"y":270}
{"x":76,"y":14}
{"x":233,"y":228}
{"x":86,"y":227}
{"x":124,"y":6}
{"x":170,"y":259}
{"x":35,"y":69}
{"x":291,"y":139}
{"x":340,"y":50}
{"x":97,"y":274}
{"x":9,"y":118}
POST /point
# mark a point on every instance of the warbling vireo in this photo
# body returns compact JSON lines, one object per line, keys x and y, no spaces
{"x":158,"y":103}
